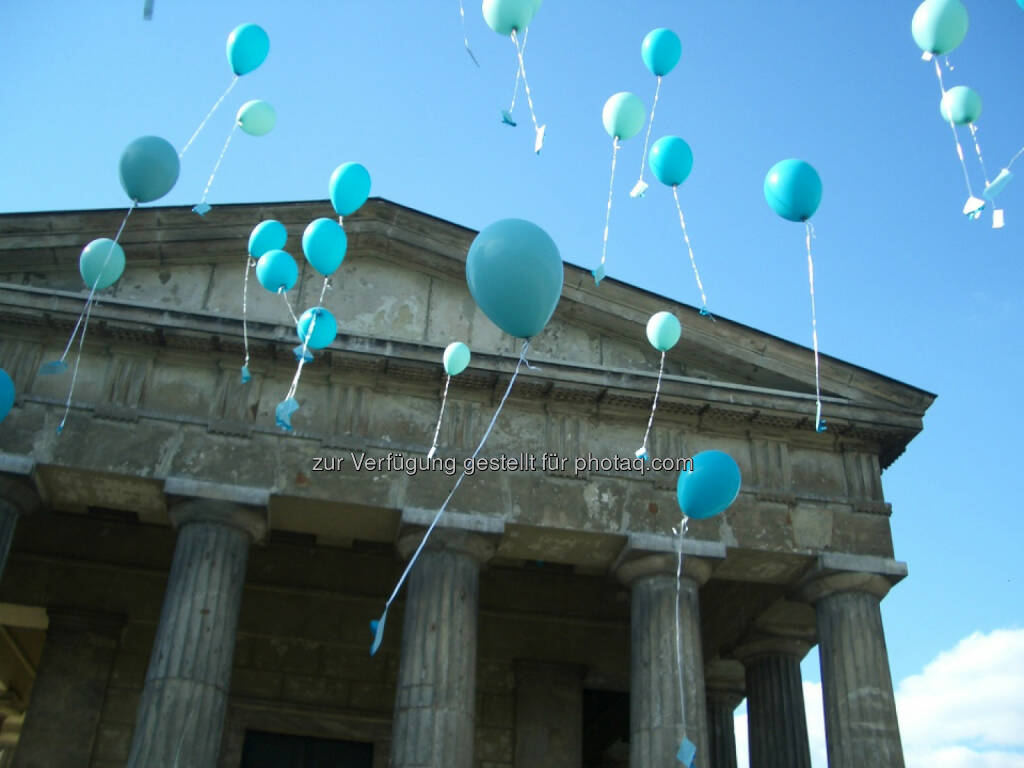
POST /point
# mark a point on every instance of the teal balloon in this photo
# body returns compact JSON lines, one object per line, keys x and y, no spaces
{"x":101,"y":263}
{"x":248,"y":46}
{"x":1021,"y":4}
{"x":793,"y":189}
{"x":660,"y":51}
{"x":149,"y":169}
{"x":324,"y":242}
{"x":456,"y":358}
{"x":960,"y":105}
{"x":515,"y":274}
{"x":671,"y":160}
{"x":506,"y":16}
{"x":349,"y":187}
{"x":939,"y":26}
{"x":623,"y":115}
{"x":663,"y":331}
{"x":319,"y":334}
{"x":276,"y":269}
{"x":712,"y":485}
{"x":256,"y":117}
{"x":6,"y":394}
{"x":269,"y":235}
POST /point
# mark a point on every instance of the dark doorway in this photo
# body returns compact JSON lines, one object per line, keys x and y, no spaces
{"x":605,"y":729}
{"x":279,"y":750}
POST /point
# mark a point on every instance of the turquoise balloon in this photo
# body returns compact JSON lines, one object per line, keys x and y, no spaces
{"x":515,"y":274}
{"x":6,"y":394}
{"x":793,"y":190}
{"x":1021,"y":4}
{"x":248,"y":46}
{"x":660,"y":51}
{"x":960,"y":105}
{"x":349,"y":187}
{"x":269,"y":235}
{"x":939,"y":26}
{"x":149,"y":169}
{"x":456,"y":358}
{"x":712,"y":485}
{"x":101,"y":263}
{"x":623,"y":115}
{"x":276,"y":269}
{"x":504,"y":16}
{"x":671,"y":160}
{"x":663,"y":331}
{"x":324,"y":242}
{"x":257,"y":118}
{"x":319,"y":334}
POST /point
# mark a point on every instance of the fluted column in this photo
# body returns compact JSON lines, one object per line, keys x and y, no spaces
{"x":181,"y":713}
{"x":435,"y":702}
{"x":776,"y":718}
{"x":655,"y":709}
{"x":725,"y":685}
{"x":17,"y":497}
{"x":861,"y":726}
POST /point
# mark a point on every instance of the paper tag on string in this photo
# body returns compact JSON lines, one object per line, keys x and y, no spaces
{"x":540,"y":139}
{"x":997,"y":219}
{"x":926,"y":56}
{"x":687,"y":752}
{"x":640,"y":188}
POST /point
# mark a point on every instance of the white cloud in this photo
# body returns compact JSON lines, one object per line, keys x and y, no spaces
{"x":964,"y":710}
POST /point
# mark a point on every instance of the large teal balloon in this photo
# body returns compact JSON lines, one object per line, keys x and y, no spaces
{"x":149,"y":169}
{"x":101,"y":263}
{"x":248,"y":46}
{"x":660,"y":51}
{"x":324,"y":242}
{"x":515,"y":274}
{"x":276,"y":269}
{"x":939,"y":26}
{"x":671,"y":160}
{"x":349,"y":187}
{"x":6,"y":394}
{"x":269,"y":235}
{"x":320,"y":334}
{"x":456,"y":358}
{"x":623,"y":115}
{"x":663,"y":331}
{"x":504,"y":16}
{"x":712,"y":485}
{"x":960,"y":105}
{"x":256,"y":117}
{"x":793,"y":189}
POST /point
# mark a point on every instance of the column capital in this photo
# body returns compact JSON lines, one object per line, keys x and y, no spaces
{"x":835,"y":572}
{"x":725,"y":682}
{"x":758,"y":645}
{"x":648,"y":554}
{"x":250,"y":520}
{"x":18,"y":494}
{"x":475,"y":535}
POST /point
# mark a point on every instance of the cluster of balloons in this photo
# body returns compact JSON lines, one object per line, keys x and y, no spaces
{"x":455,"y":359}
{"x":663,"y":331}
{"x":511,"y":18}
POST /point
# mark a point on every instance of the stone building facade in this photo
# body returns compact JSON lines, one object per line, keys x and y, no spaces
{"x":185,"y":588}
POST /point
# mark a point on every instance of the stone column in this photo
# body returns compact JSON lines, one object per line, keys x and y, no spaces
{"x":860,"y":710}
{"x":549,"y":715}
{"x":776,"y":718}
{"x":69,"y":689}
{"x":724,"y":682}
{"x":655,"y":716}
{"x":181,"y":713}
{"x":436,"y":699}
{"x":17,"y":497}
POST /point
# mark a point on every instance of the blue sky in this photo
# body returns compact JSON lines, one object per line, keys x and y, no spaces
{"x":906,"y":286}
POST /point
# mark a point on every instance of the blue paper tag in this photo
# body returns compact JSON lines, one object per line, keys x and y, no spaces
{"x":283,"y":413}
{"x":202,"y":209}
{"x":307,"y":357}
{"x":377,"y":629}
{"x":687,"y":752}
{"x":52,"y":368}
{"x":246,"y":376}
{"x":506,"y":118}
{"x":598,"y":274}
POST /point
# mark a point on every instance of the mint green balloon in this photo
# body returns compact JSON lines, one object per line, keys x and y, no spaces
{"x":663,"y":331}
{"x":939,"y":26}
{"x":960,"y":105}
{"x":506,"y":16}
{"x":256,"y":117}
{"x":623,"y":115}
{"x":101,"y":263}
{"x":456,"y":358}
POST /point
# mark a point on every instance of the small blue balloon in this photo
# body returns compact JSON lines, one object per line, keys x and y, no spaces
{"x":456,"y":358}
{"x":324,"y":242}
{"x":504,"y":16}
{"x":663,"y":331}
{"x":939,"y":26}
{"x":960,"y":105}
{"x":319,"y":334}
{"x":6,"y":394}
{"x":269,"y":235}
{"x":149,"y":169}
{"x":793,"y":190}
{"x":277,"y":269}
{"x":101,"y":263}
{"x":349,"y":187}
{"x":248,"y":46}
{"x":671,"y":160}
{"x":712,"y":485}
{"x":660,"y":51}
{"x":256,"y":117}
{"x":623,"y":115}
{"x":515,"y":275}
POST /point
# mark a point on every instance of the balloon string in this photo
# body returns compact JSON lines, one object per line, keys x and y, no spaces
{"x":208,"y":116}
{"x":650,"y":125}
{"x":977,"y":149}
{"x":288,"y":304}
{"x":654,"y":406}
{"x":437,"y":429}
{"x":249,"y":264}
{"x":323,"y":291}
{"x":465,"y":36}
{"x":515,"y":86}
{"x":526,"y":83}
{"x":213,"y":173}
{"x":302,"y":357}
{"x":819,"y":424}
{"x":608,"y":211}
{"x":469,"y":461}
{"x":956,"y":138}
{"x":684,"y":521}
{"x":686,"y":237}
{"x":1014,"y":158}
